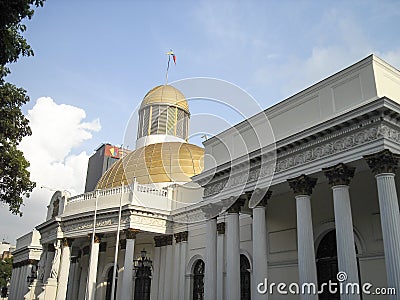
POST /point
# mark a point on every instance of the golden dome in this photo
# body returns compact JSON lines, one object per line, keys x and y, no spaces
{"x":165,"y":94}
{"x":155,"y":163}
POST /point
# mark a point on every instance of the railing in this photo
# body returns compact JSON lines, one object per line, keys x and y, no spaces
{"x":118,"y":190}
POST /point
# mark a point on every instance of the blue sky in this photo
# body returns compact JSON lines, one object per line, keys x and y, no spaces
{"x":101,"y":58}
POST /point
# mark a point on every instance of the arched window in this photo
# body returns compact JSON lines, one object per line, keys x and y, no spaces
{"x":198,"y":280}
{"x":245,"y":287}
{"x":109,"y":284}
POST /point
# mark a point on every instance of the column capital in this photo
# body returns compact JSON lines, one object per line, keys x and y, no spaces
{"x":302,"y":185}
{"x":339,"y":174}
{"x":97,"y":237}
{"x":236,"y":205}
{"x":169,"y":238}
{"x":178,"y":237}
{"x":158,"y":240}
{"x":131,"y":233}
{"x":383,"y":162}
{"x":221,"y":228}
{"x":261,"y":196}
{"x":66,"y":242}
{"x":184,"y":236}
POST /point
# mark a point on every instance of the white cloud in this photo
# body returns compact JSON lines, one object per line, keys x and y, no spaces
{"x":57,"y":129}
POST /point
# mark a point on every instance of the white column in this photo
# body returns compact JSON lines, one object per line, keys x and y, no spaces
{"x":182,"y":266}
{"x":161,"y":279}
{"x":339,"y":177}
{"x":233,"y":251}
{"x":14,"y":287}
{"x":120,"y":263}
{"x":210,"y":276}
{"x":92,"y":275}
{"x":260,"y":252}
{"x":168,"y":269}
{"x":177,"y":259}
{"x":49,"y":259}
{"x":220,"y":260}
{"x":384,"y":166}
{"x":302,"y":187}
{"x":156,"y":268}
{"x":127,"y":278}
{"x":64,"y":269}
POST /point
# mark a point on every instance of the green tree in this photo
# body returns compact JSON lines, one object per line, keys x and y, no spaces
{"x":5,"y":271}
{"x":14,"y":177}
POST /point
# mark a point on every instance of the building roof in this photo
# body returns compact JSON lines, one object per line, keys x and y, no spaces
{"x":165,"y":94}
{"x":156,"y":163}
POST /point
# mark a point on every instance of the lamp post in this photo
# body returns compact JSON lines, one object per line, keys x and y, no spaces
{"x":142,"y":267}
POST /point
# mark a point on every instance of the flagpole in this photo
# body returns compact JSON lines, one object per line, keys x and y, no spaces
{"x":166,"y":74}
{"x":117,"y":244}
{"x":91,"y":246}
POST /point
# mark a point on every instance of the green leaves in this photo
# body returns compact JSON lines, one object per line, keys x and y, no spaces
{"x":5,"y":271}
{"x":14,"y":177}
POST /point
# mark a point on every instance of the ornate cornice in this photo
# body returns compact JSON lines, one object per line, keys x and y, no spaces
{"x":383,"y":162}
{"x":302,"y":185}
{"x":221,"y":228}
{"x":339,"y":174}
{"x":313,"y":150}
{"x":131,"y":233}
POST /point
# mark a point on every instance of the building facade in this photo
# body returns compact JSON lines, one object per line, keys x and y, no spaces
{"x":321,"y":201}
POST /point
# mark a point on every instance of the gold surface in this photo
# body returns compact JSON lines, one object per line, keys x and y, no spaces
{"x":165,"y":94}
{"x":155,"y":163}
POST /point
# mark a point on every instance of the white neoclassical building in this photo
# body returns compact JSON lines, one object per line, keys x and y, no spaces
{"x":321,"y":201}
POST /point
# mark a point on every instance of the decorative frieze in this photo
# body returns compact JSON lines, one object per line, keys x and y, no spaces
{"x":383,"y":162}
{"x":331,"y":144}
{"x":302,"y":185}
{"x":339,"y":174}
